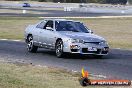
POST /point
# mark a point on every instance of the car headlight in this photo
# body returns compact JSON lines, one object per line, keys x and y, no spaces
{"x":77,"y":41}
{"x":103,"y":42}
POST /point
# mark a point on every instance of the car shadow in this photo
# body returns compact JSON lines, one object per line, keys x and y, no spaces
{"x":69,"y":55}
{"x":113,"y":54}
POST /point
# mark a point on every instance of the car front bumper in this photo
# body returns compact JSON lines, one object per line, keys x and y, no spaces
{"x":86,"y":51}
{"x":93,"y":49}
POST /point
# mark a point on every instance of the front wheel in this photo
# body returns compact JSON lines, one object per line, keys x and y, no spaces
{"x":30,"y":45}
{"x":59,"y":48}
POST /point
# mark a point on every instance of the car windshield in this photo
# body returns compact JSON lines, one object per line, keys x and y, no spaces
{"x":70,"y":26}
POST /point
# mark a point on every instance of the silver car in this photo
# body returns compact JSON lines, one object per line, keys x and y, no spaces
{"x":64,"y":36}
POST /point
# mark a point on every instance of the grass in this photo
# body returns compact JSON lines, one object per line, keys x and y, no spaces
{"x":28,"y":76}
{"x":116,"y":30}
{"x":13,"y":28}
{"x":18,"y":75}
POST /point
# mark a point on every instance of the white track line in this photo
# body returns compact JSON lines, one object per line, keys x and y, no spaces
{"x":92,"y":17}
{"x":11,"y":40}
{"x":99,"y":76}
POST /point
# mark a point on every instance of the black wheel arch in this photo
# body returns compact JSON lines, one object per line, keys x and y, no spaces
{"x":27,"y":37}
{"x":58,"y":40}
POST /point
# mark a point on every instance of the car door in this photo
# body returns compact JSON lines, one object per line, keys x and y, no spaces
{"x":39,"y":30}
{"x":47,"y":36}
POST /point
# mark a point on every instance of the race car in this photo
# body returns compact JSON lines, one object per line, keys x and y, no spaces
{"x":26,"y":5}
{"x":65,"y":36}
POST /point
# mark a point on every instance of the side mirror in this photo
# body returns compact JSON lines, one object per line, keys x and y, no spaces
{"x":90,"y":31}
{"x":49,"y":28}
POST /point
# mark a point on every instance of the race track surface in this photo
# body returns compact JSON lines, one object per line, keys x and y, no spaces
{"x":118,"y":64}
{"x":54,"y":13}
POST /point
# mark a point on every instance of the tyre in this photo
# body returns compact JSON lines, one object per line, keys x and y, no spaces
{"x":59,"y":48}
{"x":30,"y":45}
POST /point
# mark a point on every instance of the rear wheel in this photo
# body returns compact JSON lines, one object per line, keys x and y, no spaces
{"x":59,"y":48}
{"x":30,"y":45}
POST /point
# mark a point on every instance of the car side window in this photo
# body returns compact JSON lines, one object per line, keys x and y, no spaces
{"x":49,"y":24}
{"x":41,"y":25}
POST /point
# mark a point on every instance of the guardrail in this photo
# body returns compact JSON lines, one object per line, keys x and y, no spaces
{"x":101,"y":9}
{"x":103,"y":6}
{"x":87,"y":8}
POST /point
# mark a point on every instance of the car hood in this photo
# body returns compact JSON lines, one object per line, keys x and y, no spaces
{"x":87,"y":37}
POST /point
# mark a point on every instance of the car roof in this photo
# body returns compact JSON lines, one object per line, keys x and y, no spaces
{"x":61,"y":20}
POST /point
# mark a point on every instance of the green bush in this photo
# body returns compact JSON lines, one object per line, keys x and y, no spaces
{"x":96,"y":1}
{"x":130,"y":1}
{"x":84,"y":1}
{"x":41,"y":0}
{"x":46,"y":0}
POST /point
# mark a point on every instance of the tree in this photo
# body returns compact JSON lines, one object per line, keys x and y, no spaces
{"x":129,"y":1}
{"x":116,"y":1}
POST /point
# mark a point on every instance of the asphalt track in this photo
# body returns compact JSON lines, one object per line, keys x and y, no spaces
{"x":118,"y":64}
{"x":55,"y":13}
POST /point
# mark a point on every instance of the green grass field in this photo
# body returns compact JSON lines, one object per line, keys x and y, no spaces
{"x":117,"y":31}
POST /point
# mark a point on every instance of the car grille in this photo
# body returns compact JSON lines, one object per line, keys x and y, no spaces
{"x":104,"y":52}
{"x":74,"y":50}
{"x":97,"y":43}
{"x":85,"y":50}
{"x":99,"y":51}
